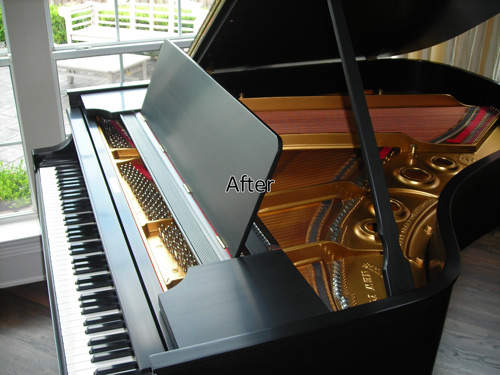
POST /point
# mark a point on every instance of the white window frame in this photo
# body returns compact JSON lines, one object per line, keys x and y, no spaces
{"x":36,"y":134}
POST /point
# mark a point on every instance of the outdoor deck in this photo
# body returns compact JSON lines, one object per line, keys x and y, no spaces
{"x":9,"y":125}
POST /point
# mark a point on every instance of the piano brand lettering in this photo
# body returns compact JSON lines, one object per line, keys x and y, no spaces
{"x":368,"y":284}
{"x":248,"y":184}
{"x":366,"y":275}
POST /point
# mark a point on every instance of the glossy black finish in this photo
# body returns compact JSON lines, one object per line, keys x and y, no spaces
{"x":254,"y":293}
{"x":58,"y":154}
{"x":469,"y":206}
{"x":390,"y":76}
{"x":259,"y":32}
{"x":393,"y":336}
{"x":76,"y":95}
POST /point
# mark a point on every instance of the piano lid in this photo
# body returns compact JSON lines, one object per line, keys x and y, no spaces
{"x":219,"y":148}
{"x":241,"y":33}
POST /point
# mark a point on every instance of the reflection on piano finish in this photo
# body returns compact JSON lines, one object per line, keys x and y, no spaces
{"x":195,"y":277}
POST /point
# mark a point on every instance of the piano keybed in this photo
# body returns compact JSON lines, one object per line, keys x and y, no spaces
{"x":93,"y":330}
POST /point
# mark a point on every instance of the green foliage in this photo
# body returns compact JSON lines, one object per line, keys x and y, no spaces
{"x":2,"y":32}
{"x":58,"y":25}
{"x":160,"y":14}
{"x":14,"y":185}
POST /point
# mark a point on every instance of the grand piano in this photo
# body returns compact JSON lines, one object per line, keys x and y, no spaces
{"x":281,"y":197}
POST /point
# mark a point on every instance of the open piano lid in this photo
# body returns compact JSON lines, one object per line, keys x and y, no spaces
{"x":213,"y":141}
{"x":242,"y":33}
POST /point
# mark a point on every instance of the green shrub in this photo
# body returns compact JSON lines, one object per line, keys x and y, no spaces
{"x":14,"y":185}
{"x":2,"y":33}
{"x":58,"y":25}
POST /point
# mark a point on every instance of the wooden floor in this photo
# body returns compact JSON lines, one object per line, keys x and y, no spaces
{"x":470,"y":342}
{"x":26,"y":335}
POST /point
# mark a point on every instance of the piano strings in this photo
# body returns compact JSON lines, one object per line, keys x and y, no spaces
{"x":414,"y":184}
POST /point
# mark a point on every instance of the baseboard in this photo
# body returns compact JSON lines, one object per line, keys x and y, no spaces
{"x":21,"y":262}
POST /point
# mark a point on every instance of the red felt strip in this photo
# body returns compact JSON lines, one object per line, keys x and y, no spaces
{"x":472,"y":125}
{"x":120,"y":130}
{"x":142,"y":169}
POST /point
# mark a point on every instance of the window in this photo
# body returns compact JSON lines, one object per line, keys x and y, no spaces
{"x":93,"y":43}
{"x":15,"y":194}
{"x":95,"y":22}
{"x":108,"y":42}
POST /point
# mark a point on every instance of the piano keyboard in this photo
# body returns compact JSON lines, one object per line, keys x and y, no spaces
{"x":94,"y":335}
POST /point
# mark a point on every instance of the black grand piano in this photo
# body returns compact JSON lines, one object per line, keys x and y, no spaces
{"x":282,"y":197}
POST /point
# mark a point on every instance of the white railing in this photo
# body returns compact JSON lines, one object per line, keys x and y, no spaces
{"x":96,"y":22}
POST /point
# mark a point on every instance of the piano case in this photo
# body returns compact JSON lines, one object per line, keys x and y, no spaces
{"x":245,"y":307}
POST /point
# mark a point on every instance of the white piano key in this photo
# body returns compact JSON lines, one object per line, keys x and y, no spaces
{"x":83,"y":365}
{"x":75,"y":339}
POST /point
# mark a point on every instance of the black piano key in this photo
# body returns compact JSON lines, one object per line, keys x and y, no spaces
{"x":82,"y":237}
{"x":70,"y":165}
{"x":74,"y":186}
{"x":110,"y":346}
{"x":74,"y":194}
{"x":86,"y":248}
{"x":70,"y":177}
{"x":89,"y":269}
{"x":108,"y":326}
{"x":93,"y":282}
{"x":76,"y":206}
{"x":102,"y":294}
{"x":93,"y":285}
{"x":96,"y":260}
{"x":117,"y":369}
{"x":81,"y":229}
{"x":106,"y":356}
{"x":82,"y":233}
{"x":110,"y":301}
{"x":79,"y":218}
{"x":107,"y":339}
{"x":74,"y":183}
{"x":68,"y":173}
{"x":87,"y":266}
{"x":103,"y":319}
{"x":88,"y":259}
{"x":127,"y":372}
{"x":99,"y":308}
{"x":71,"y":201}
{"x":93,"y":278}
